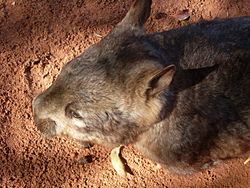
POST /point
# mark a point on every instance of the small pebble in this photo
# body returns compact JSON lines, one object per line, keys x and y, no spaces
{"x":182,"y":15}
{"x":86,"y":159}
{"x":248,"y":159}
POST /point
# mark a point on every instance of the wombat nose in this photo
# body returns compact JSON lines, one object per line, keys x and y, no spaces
{"x":35,"y":104}
{"x":38,"y":106}
{"x":44,"y":124}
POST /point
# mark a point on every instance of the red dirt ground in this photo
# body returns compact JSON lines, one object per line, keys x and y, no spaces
{"x":36,"y":39}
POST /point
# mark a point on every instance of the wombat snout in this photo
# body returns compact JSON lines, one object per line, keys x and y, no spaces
{"x":44,"y":125}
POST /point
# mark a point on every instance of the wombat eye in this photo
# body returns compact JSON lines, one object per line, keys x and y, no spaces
{"x":69,"y":112}
{"x":75,"y":114}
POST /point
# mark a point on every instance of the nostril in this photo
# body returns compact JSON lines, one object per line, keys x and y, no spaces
{"x":46,"y":126}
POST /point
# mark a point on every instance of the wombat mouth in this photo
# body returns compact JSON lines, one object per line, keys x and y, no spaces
{"x":47,"y":127}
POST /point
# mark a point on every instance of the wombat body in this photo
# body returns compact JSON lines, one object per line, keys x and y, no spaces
{"x":182,"y":97}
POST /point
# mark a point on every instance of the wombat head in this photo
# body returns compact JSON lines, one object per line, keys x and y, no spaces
{"x":110,"y":93}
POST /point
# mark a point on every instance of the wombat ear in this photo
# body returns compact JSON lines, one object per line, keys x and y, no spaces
{"x":137,"y":14}
{"x":160,"y":80}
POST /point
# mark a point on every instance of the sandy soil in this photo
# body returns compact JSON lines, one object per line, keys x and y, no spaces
{"x":36,"y":39}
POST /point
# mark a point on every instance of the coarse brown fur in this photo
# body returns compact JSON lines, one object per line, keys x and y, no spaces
{"x":180,"y":96}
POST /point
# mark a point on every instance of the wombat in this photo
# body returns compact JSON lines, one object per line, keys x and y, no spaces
{"x":181,"y":97}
